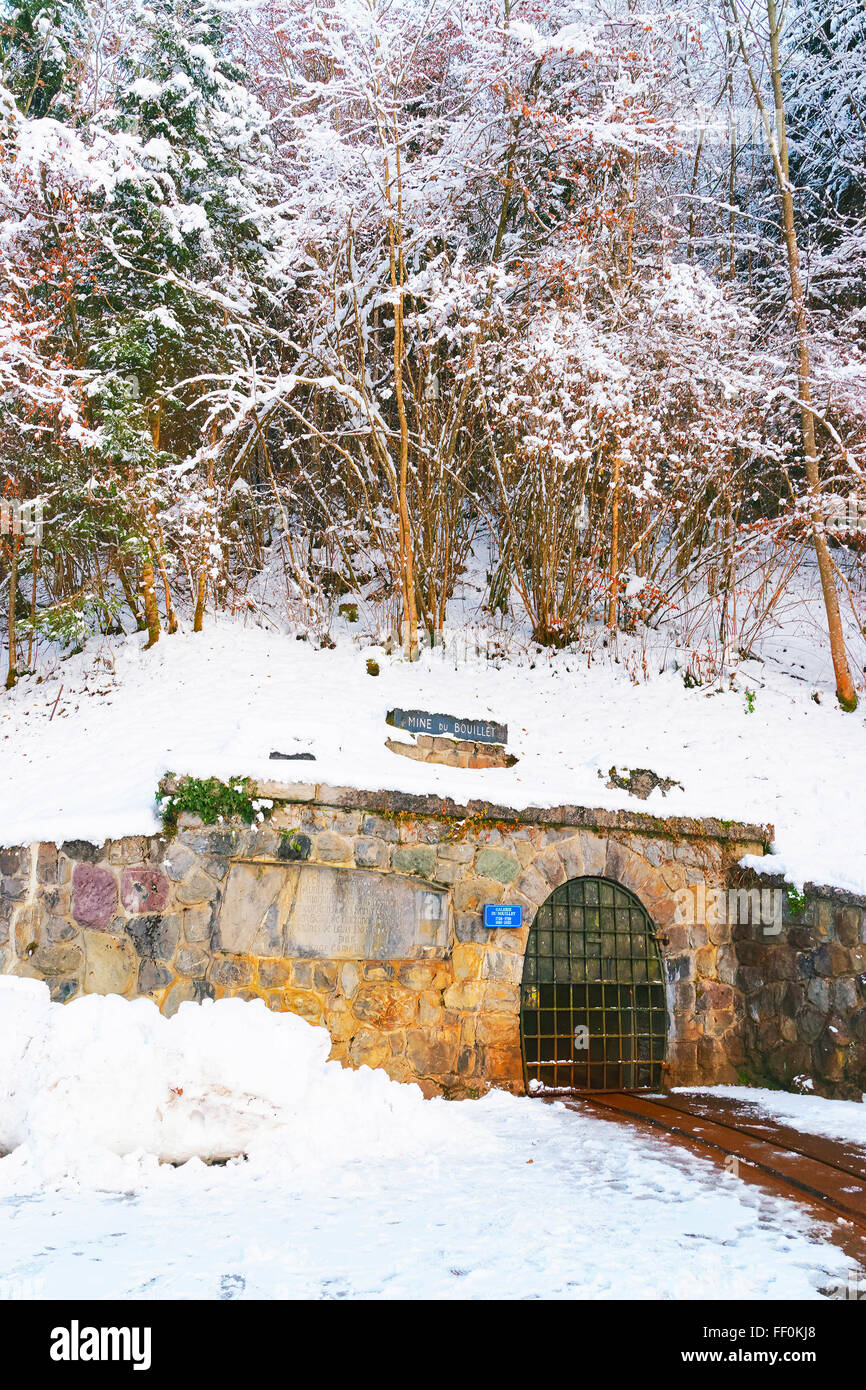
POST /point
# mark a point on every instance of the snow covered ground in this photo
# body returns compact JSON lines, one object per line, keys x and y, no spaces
{"x":82,"y":751}
{"x":352,"y":1185}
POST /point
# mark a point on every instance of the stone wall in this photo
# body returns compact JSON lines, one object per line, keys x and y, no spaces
{"x":804,"y":993}
{"x":216,"y":911}
{"x":451,"y":752}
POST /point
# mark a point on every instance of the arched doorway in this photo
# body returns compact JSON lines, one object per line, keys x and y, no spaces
{"x":592,"y":1009}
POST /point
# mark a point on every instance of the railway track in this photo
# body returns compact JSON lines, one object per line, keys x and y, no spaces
{"x":827,"y":1176}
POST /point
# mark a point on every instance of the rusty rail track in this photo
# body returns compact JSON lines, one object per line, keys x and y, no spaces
{"x":826,"y":1176}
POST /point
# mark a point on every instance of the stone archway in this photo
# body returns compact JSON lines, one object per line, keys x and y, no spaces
{"x":593,"y":1014}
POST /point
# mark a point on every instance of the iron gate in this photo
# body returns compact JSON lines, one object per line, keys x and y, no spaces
{"x":592,"y":1009}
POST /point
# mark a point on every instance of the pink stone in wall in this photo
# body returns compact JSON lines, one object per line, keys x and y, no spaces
{"x":144,"y":889}
{"x":94,"y":896}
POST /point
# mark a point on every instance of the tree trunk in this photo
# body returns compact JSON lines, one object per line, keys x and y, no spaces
{"x":170,"y":615}
{"x":12,"y":674}
{"x":198,"y":621}
{"x":129,"y":594}
{"x":151,"y":611}
{"x":31,"y":637}
{"x":407,"y":557}
{"x":845,"y":692}
{"x":614,"y":548}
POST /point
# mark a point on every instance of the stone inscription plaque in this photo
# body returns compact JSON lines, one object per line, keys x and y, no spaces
{"x":334,"y":914}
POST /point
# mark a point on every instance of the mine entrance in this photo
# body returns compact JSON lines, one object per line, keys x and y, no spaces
{"x":592,"y":1009}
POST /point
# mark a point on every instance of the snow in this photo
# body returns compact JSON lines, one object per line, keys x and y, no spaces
{"x":834,"y":1119}
{"x":106,"y":1079}
{"x":84,"y":748}
{"x":352,"y":1185}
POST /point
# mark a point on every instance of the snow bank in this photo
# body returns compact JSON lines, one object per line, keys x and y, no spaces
{"x":102,"y":1077}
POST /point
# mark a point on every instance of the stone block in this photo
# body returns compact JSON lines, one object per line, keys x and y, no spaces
{"x":273,"y":974}
{"x":385,"y":1006}
{"x":325,"y":976}
{"x":848,"y":926}
{"x":501,"y":998}
{"x":80,"y":851}
{"x":46,"y":864}
{"x":230,"y":972}
{"x":197,"y":887}
{"x":456,"y":853}
{"x":15,"y":889}
{"x":594,"y":851}
{"x":831,"y":958}
{"x":185,"y":992}
{"x":431,"y":1010}
{"x":287,"y":791}
{"x":249,"y":919}
{"x":504,"y":1067}
{"x":178,"y":861}
{"x":420,"y":974}
{"x":571,"y":857}
{"x":470,"y":894}
{"x":431,"y":1051}
{"x":467,"y":959}
{"x":372,"y":854}
{"x":447,"y":873}
{"x":294,"y":847}
{"x":59,"y":929}
{"x":152,"y":977}
{"x":110,"y":964}
{"x":17,"y":861}
{"x":498,"y":1030}
{"x":469,"y":926}
{"x":368,"y":1048}
{"x":155,"y":937}
{"x":53,"y":960}
{"x":197,"y":923}
{"x":550,"y":866}
{"x":464,"y":994}
{"x":381,"y":827}
{"x":350,"y":977}
{"x":332,"y":849}
{"x":493,"y":863}
{"x":533,"y":886}
{"x":62,"y":990}
{"x":94,"y":896}
{"x":192,"y":961}
{"x":504,"y":966}
{"x":303,"y":1003}
{"x":418,"y":860}
{"x":845,"y":996}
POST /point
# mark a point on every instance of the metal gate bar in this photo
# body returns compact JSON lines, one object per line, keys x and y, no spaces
{"x":593,"y":1014}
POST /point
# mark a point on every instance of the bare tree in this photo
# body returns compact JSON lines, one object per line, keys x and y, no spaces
{"x":767,"y":45}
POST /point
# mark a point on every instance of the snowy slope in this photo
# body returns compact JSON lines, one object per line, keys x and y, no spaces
{"x":82,"y":751}
{"x":353,"y":1185}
